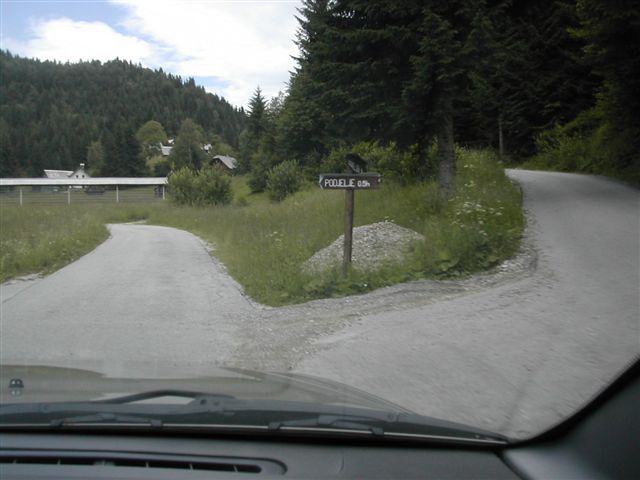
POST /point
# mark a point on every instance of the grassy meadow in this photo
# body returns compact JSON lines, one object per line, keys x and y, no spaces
{"x":264,"y":244}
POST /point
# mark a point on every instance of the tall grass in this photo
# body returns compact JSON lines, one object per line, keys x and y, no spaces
{"x":37,"y":239}
{"x":44,"y":239}
{"x":264,"y":244}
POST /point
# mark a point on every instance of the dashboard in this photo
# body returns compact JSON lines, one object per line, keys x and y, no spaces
{"x":600,"y":441}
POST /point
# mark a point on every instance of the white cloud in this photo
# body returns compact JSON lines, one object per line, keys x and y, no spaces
{"x":68,"y":40}
{"x":243,"y":43}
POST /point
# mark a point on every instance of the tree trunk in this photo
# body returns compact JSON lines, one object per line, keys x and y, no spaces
{"x":500,"y":137}
{"x":446,"y":153}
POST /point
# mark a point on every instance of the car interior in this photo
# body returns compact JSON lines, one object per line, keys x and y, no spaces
{"x":598,"y":441}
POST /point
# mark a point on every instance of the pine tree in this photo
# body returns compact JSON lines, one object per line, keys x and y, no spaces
{"x":256,"y":148}
{"x":440,"y":76}
{"x":257,"y":108}
{"x":95,"y":158}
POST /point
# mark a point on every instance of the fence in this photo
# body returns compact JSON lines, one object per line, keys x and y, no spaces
{"x":42,"y":191}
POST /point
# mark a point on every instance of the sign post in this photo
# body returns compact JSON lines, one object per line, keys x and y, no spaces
{"x":349,"y":182}
{"x":348,"y":229}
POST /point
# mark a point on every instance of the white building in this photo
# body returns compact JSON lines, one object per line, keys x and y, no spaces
{"x":57,"y":174}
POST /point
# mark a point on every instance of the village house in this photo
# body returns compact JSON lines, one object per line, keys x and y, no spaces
{"x":165,"y":150}
{"x":229,"y":163}
{"x":61,"y":174}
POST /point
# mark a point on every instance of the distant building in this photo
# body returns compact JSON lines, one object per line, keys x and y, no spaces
{"x":165,"y":150}
{"x":227,"y":162}
{"x":61,"y":174}
{"x":80,"y":173}
{"x":58,"y":173}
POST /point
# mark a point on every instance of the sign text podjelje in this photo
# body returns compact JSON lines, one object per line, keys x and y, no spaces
{"x":361,"y":181}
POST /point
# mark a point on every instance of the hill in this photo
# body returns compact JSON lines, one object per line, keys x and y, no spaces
{"x":50,"y":112}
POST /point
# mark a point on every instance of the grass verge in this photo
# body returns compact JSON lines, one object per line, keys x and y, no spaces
{"x":38,"y":239}
{"x":264,"y":244}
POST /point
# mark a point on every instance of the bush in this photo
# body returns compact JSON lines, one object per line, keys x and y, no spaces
{"x":257,"y":180}
{"x":388,"y":160}
{"x":158,"y":166}
{"x":210,"y":186}
{"x":213,"y":187}
{"x":261,"y":162}
{"x":284,"y":179}
{"x":181,"y":186}
{"x":587,"y":144}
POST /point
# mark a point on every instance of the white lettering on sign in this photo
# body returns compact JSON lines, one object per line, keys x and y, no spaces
{"x":339,"y":182}
{"x":355,"y":181}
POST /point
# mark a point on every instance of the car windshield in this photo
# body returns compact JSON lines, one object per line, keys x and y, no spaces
{"x":412,"y":219}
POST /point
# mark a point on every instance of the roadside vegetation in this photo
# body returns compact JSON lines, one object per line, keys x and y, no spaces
{"x":588,"y":144}
{"x":40,"y":239}
{"x":44,"y":239}
{"x":208,"y":186}
{"x":264,"y":243}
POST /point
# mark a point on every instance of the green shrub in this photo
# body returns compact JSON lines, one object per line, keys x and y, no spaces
{"x":213,"y":187}
{"x":158,"y":166}
{"x":387,"y":160}
{"x":283,"y":180}
{"x":587,"y":144}
{"x":181,"y":186}
{"x":258,"y":175}
{"x":210,"y":186}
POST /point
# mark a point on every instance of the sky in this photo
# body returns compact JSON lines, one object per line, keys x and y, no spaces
{"x":228,"y":46}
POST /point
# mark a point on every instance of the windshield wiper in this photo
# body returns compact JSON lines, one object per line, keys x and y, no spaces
{"x":126,"y":409}
{"x":107,"y":418}
{"x":333,"y":422}
{"x":211,"y":413}
{"x":402,"y":428}
{"x":138,"y":397}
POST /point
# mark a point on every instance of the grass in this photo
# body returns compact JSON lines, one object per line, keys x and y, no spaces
{"x":44,"y":239}
{"x":264,"y":244}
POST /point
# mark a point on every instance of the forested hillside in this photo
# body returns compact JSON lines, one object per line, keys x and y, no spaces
{"x":51,"y":112}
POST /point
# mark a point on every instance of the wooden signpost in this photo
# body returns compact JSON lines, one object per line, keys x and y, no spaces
{"x":350,"y":182}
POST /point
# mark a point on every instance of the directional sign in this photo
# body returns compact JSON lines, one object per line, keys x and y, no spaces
{"x":357,"y":181}
{"x":349,"y":182}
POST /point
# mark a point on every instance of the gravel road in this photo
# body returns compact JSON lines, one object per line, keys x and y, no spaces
{"x":515,"y":357}
{"x":512,"y":350}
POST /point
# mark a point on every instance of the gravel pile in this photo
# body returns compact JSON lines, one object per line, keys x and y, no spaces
{"x":373,"y":245}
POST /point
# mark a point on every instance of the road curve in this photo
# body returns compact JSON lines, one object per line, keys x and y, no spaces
{"x":518,"y":357}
